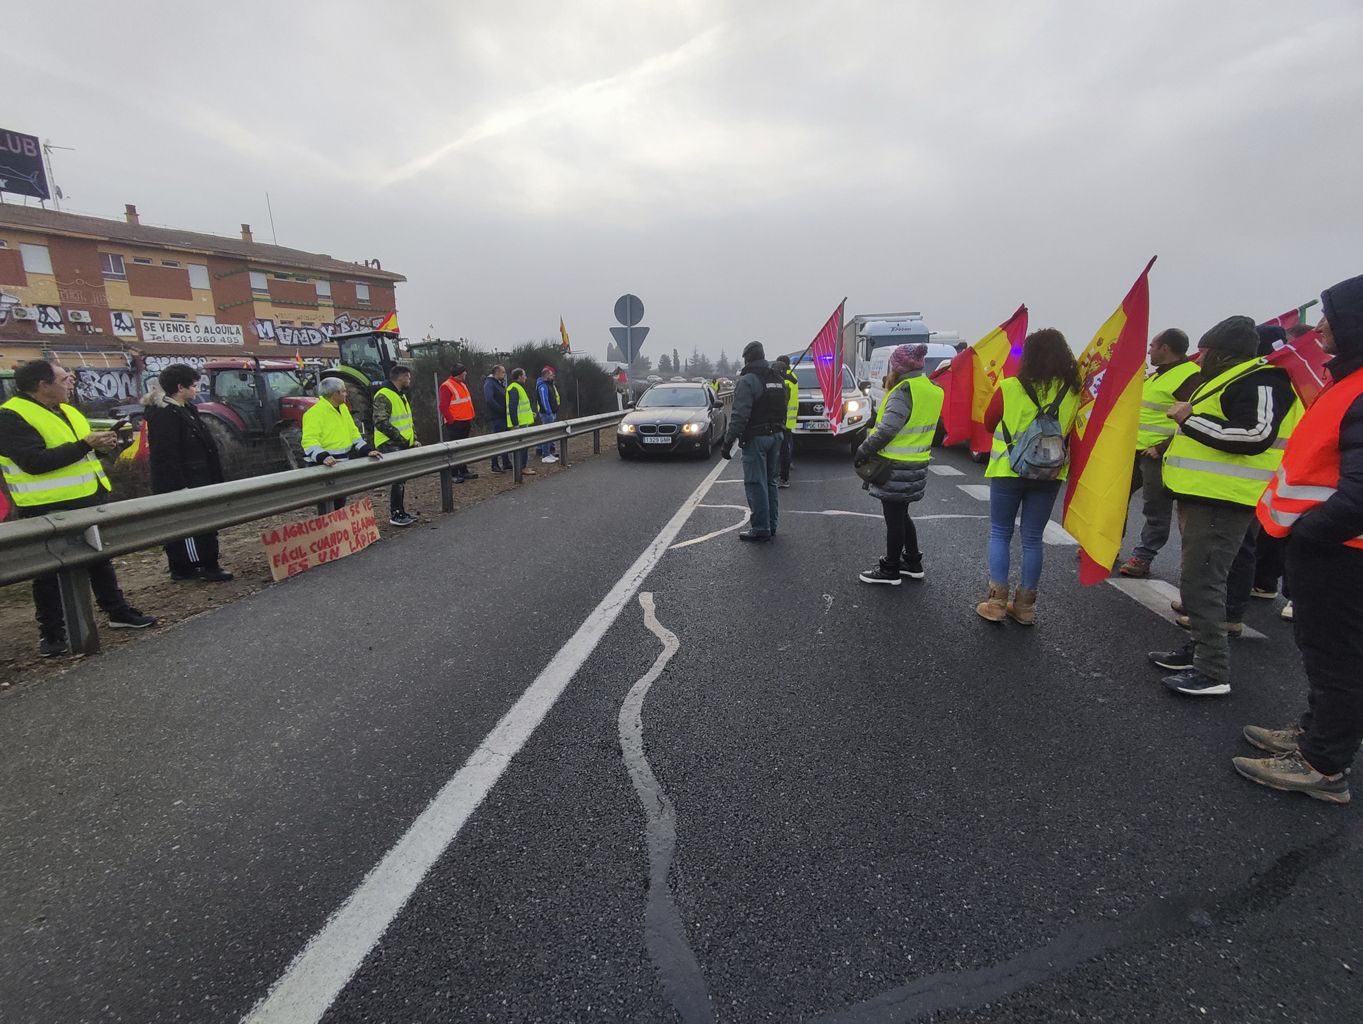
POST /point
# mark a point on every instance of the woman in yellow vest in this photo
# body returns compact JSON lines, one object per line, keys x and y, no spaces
{"x":905,"y":423}
{"x":1047,"y":380}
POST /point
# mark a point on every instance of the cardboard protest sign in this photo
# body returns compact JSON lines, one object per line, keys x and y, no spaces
{"x":297,"y":547}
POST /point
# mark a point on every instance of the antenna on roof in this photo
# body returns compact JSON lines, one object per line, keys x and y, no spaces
{"x":273,"y":236}
{"x":57,"y":194}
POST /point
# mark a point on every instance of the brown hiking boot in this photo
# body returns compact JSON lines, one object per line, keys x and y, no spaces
{"x":1291,"y":773}
{"x":1232,"y":628}
{"x":1177,"y":607}
{"x":1135,"y":568}
{"x":995,"y":606}
{"x":1022,"y":608}
{"x":1275,"y":741}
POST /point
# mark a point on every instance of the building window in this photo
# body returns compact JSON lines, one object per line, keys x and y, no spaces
{"x":259,"y":283}
{"x":111,"y":263}
{"x":170,"y":263}
{"x":361,"y":292}
{"x":143,"y":260}
{"x":37,"y":260}
{"x":150,"y":315}
{"x":205,"y":321}
{"x":179,"y":316}
{"x":286,"y":323}
{"x":198,"y":276}
{"x":280,"y":277}
{"x":323,"y":289}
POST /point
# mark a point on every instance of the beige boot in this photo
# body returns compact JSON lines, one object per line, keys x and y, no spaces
{"x":1022,"y":608}
{"x":995,"y":606}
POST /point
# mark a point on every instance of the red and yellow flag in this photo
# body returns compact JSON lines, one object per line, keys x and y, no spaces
{"x":390,"y":323}
{"x":138,"y":451}
{"x":298,"y":360}
{"x":1103,"y":445}
{"x":976,"y":374}
{"x":566,"y":346}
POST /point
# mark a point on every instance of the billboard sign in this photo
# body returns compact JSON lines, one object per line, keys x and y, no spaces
{"x":21,"y":165}
{"x":187,"y":332}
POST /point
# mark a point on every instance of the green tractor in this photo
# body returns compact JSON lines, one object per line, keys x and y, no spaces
{"x":366,"y":359}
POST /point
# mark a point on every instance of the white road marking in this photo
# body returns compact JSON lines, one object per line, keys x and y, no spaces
{"x":941,"y":470}
{"x":1057,"y":534}
{"x":980,"y":492}
{"x":1156,"y":595}
{"x":310,"y":984}
{"x":742,"y":522}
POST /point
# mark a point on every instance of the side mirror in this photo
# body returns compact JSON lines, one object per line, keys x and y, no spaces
{"x":865,"y":386}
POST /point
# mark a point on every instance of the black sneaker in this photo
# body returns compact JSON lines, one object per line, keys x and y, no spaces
{"x":470,"y":476}
{"x":185,"y":577}
{"x":911,"y":567}
{"x":1174,"y":661}
{"x":498,"y":469}
{"x":753,"y":535}
{"x":215,"y":575}
{"x":403,"y":519}
{"x":52,"y":646}
{"x":129,"y":617}
{"x":1192,"y":683}
{"x":881,"y":574}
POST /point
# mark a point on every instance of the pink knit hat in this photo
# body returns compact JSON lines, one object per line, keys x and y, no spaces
{"x":908,"y":357}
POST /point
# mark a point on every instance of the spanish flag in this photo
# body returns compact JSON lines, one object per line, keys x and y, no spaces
{"x":390,"y":323}
{"x":137,"y":452}
{"x":563,"y":333}
{"x":298,"y":360}
{"x":976,"y":374}
{"x":1103,"y":445}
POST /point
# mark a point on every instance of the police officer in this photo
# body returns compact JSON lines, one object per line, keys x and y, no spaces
{"x":394,"y":431}
{"x":330,"y":434}
{"x":1229,"y":444}
{"x":47,"y":457}
{"x":757,"y":423}
{"x":782,"y":365}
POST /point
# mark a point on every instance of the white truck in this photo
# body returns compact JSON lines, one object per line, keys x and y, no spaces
{"x":868,"y":340}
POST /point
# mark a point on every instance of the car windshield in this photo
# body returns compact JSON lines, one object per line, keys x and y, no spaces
{"x":809,"y":380}
{"x":672,"y":398}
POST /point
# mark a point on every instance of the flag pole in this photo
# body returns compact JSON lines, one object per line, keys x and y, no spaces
{"x":841,"y":307}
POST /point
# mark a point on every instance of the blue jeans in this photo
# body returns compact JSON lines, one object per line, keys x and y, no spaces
{"x":1035,"y":498}
{"x":761,"y":473}
{"x":548,"y":447}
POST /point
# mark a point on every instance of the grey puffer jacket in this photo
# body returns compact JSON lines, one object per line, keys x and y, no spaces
{"x":909,"y":479}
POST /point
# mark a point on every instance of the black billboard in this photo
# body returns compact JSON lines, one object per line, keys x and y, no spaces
{"x":21,"y":165}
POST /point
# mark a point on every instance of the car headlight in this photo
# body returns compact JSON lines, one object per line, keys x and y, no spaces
{"x":627,"y":428}
{"x":855,"y":405}
{"x":694,"y":428}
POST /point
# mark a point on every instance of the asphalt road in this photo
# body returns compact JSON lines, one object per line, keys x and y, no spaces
{"x":824,"y":801}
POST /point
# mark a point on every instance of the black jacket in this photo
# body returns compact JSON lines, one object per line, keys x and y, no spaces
{"x":181,"y":451}
{"x":759,"y":403}
{"x":494,"y":400}
{"x":23,"y":445}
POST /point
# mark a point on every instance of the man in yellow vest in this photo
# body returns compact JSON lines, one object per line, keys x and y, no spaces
{"x":781,"y":364}
{"x":1230,"y":442}
{"x":330,"y":435}
{"x":47,"y":457}
{"x":519,"y":413}
{"x":1173,"y":379}
{"x":394,"y":431}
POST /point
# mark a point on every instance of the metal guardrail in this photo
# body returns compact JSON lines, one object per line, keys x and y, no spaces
{"x":66,"y":543}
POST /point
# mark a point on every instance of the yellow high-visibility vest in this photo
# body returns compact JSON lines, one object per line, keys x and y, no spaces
{"x":1018,"y":413}
{"x":913,"y":443}
{"x":328,"y":430}
{"x":1157,"y":395}
{"x":792,"y":400}
{"x":80,"y":479}
{"x":1196,"y":470}
{"x":400,"y":416}
{"x":525,"y":416}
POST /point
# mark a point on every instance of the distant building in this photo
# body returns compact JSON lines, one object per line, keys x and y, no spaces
{"x":119,"y":294}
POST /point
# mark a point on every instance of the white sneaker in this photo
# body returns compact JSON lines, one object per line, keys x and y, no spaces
{"x":1287,"y":611}
{"x":549,"y":459}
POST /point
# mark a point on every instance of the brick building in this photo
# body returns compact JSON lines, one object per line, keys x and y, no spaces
{"x":118,"y":297}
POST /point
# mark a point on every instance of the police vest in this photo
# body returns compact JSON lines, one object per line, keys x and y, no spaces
{"x":1018,"y":412}
{"x":399,"y":417}
{"x":1196,"y":470}
{"x":79,"y":479}
{"x":458,"y":404}
{"x":769,"y":407}
{"x":525,"y":416}
{"x":1309,"y":475}
{"x":913,"y":443}
{"x":1157,"y":395}
{"x":328,"y":430}
{"x":792,"y":400}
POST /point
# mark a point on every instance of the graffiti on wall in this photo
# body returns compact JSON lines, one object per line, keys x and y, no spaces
{"x":96,"y":385}
{"x":345,"y":323}
{"x":307,"y":337}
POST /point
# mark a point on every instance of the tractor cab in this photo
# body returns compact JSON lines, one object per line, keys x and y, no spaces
{"x":367,"y":357}
{"x":254,"y":409}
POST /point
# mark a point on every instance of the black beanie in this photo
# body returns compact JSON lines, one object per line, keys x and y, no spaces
{"x":1343,"y":305}
{"x":753,"y":351}
{"x":1234,"y":334}
{"x":456,"y":369}
{"x":1269,"y":336}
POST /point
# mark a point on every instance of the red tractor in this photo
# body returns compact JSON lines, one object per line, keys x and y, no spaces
{"x":254,"y":410}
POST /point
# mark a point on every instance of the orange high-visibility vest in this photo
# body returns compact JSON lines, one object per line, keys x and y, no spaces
{"x":455,"y":403}
{"x":1309,"y":475}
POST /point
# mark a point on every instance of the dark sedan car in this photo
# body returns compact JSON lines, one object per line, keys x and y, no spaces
{"x":673,"y":417}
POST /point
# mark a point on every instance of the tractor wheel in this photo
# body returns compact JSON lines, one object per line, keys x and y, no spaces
{"x":362,"y":409}
{"x":236,"y":456}
{"x":291,"y":441}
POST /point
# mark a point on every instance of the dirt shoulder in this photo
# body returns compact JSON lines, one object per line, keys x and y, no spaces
{"x":149,"y":588}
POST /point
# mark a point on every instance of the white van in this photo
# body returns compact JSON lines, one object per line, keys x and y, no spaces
{"x":879,"y":365}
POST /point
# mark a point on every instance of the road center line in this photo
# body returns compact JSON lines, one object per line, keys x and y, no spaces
{"x":314,"y":979}
{"x":980,"y":492}
{"x":943,"y":470}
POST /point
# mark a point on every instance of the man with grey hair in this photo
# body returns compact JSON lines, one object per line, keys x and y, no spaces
{"x":330,"y":434}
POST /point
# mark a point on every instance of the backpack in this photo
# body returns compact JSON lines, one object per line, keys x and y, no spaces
{"x":1040,"y":451}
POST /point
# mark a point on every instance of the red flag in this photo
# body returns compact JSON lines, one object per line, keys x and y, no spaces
{"x":976,"y":374}
{"x":1304,"y":360}
{"x":826,"y":349}
{"x":1291,"y":318}
{"x":1112,"y":368}
{"x":4,"y":505}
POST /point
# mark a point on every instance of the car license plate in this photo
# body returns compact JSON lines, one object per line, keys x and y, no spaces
{"x":657,"y":440}
{"x":817,"y":425}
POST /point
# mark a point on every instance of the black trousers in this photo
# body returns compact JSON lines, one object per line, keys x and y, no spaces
{"x":1269,"y":556}
{"x":787,"y":453}
{"x":1327,"y":596}
{"x":47,"y":599}
{"x":457,"y":431}
{"x":499,"y":461}
{"x":397,"y":494}
{"x":901,"y":536}
{"x":192,"y":554}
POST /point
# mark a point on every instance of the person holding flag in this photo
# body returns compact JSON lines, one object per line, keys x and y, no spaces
{"x":1315,"y":501}
{"x":1225,"y":453}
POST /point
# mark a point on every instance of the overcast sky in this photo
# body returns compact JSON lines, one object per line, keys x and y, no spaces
{"x":740,"y":166}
